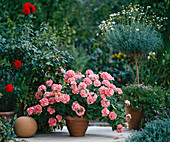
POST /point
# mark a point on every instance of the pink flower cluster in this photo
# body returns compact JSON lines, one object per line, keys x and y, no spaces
{"x":52,"y":121}
{"x":80,"y":110}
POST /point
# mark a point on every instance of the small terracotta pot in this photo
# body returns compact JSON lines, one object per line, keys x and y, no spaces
{"x":9,"y":116}
{"x":135,"y":121}
{"x":77,"y":126}
{"x":25,"y":127}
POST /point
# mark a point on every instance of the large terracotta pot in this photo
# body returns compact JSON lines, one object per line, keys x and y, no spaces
{"x":9,"y":116}
{"x":135,"y":121}
{"x":25,"y":127}
{"x":77,"y":126}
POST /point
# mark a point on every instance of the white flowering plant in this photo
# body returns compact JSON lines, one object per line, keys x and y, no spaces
{"x":131,"y":32}
{"x":93,"y":96}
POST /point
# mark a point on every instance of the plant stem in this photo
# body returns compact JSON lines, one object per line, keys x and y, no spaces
{"x":137,"y":72}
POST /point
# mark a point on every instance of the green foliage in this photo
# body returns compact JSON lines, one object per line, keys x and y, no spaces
{"x":153,"y":101}
{"x":81,"y":59}
{"x":155,"y":131}
{"x":155,"y":69}
{"x":6,"y":131}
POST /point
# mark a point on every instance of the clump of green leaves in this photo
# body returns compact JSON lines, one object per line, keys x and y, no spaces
{"x":153,"y":101}
{"x":155,"y":131}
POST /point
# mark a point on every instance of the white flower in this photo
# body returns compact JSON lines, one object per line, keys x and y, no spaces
{"x":113,"y":22}
{"x":153,"y":53}
{"x":137,"y":29}
{"x":148,"y":7}
{"x":97,"y":34}
{"x":103,"y":22}
{"x":149,"y":57}
{"x":112,"y":15}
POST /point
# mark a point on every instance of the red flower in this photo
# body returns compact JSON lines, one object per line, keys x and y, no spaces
{"x":26,"y":10}
{"x":119,"y":79}
{"x":18,"y":63}
{"x":9,"y":88}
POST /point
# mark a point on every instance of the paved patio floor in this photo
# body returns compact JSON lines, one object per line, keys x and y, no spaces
{"x":93,"y":134}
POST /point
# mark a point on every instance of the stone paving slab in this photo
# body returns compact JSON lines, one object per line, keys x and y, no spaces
{"x":93,"y":134}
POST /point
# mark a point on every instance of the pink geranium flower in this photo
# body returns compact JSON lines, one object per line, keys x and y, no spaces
{"x":88,"y":72}
{"x":70,"y":73}
{"x":44,"y":102}
{"x":58,"y":97}
{"x":127,"y":102}
{"x":38,"y":108}
{"x":75,"y":106}
{"x":56,"y":87}
{"x":66,"y":98}
{"x":91,"y":98}
{"x":94,"y":76}
{"x":119,"y":128}
{"x":128,"y":117}
{"x":109,"y":92}
{"x":38,"y":95}
{"x":59,"y":118}
{"x":126,"y":125}
{"x":119,"y":90}
{"x":42,"y":87}
{"x":105,"y":102}
{"x":112,"y":115}
{"x":49,"y":82}
{"x":105,"y":112}
{"x":51,"y":100}
{"x":112,"y":86}
{"x":84,"y":93}
{"x":97,"y":83}
{"x":87,"y":81}
{"x":50,"y":110}
{"x":102,"y":90}
{"x":82,"y":85}
{"x":80,"y":111}
{"x":52,"y":122}
{"x":30,"y":110}
{"x":106,"y":82}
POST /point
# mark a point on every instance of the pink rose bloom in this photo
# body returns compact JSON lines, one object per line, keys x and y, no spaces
{"x":73,"y":86}
{"x":126,"y":125}
{"x":105,"y":112}
{"x":84,"y":93}
{"x":112,"y":86}
{"x":52,"y":122}
{"x":66,"y":78}
{"x":58,"y":97}
{"x":127,"y":102}
{"x":87,"y":81}
{"x":70,"y":73}
{"x":128,"y":117}
{"x":88,"y":72}
{"x":46,"y":94}
{"x":49,"y":82}
{"x":94,"y":76}
{"x":119,"y":128}
{"x":80,"y":111}
{"x":106,"y":82}
{"x":42,"y":87}
{"x":109,"y":77}
{"x":75,"y":106}
{"x":57,"y":87}
{"x":38,"y":108}
{"x":91,"y":98}
{"x":71,"y":80}
{"x":30,"y":110}
{"x":44,"y":102}
{"x":75,"y":91}
{"x":50,"y":110}
{"x":51,"y":100}
{"x":102,"y":90}
{"x":97,"y":83}
{"x":105,"y":102}
{"x":59,"y":118}
{"x":66,"y":98}
{"x":38,"y":95}
{"x":112,"y":115}
{"x":82,"y":85}
{"x":109,"y":92}
{"x":63,"y":71}
{"x":119,"y":90}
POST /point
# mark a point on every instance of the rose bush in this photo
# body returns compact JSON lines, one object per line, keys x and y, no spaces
{"x":92,"y":95}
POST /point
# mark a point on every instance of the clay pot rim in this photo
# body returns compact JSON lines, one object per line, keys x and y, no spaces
{"x":68,"y":117}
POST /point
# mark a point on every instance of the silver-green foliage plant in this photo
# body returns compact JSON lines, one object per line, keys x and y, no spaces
{"x":131,"y":32}
{"x":155,"y":131}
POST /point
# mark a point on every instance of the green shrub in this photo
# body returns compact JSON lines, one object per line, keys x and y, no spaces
{"x":155,"y":131}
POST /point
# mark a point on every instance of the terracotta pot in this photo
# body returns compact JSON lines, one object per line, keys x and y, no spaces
{"x":135,"y":121}
{"x":9,"y":116}
{"x":25,"y":127}
{"x":77,"y":126}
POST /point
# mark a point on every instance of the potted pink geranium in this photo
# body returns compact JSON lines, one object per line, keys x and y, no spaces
{"x":83,"y":97}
